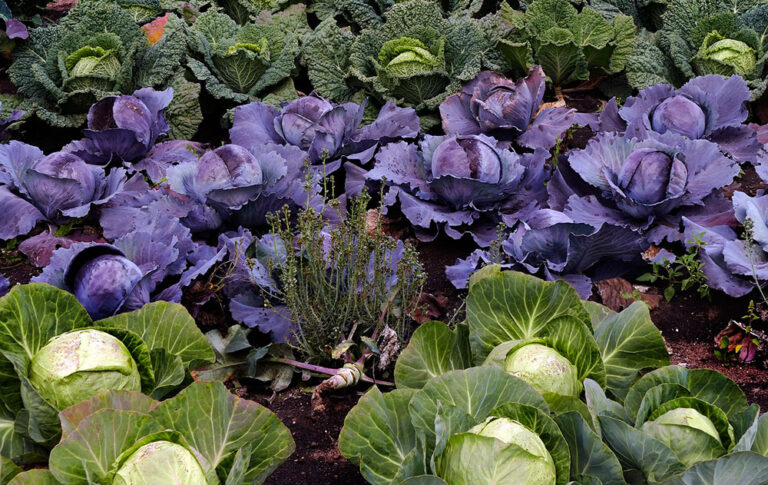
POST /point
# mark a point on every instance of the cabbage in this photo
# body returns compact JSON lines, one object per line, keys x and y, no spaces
{"x":522,"y":456}
{"x":77,"y":365}
{"x":545,"y":369}
{"x":688,"y":433}
{"x":160,"y":461}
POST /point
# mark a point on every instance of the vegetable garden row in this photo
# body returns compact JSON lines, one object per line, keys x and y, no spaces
{"x":451,"y":224}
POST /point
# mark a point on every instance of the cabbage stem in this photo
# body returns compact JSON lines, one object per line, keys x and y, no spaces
{"x":327,"y":370}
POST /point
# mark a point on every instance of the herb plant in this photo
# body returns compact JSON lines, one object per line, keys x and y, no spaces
{"x":344,"y":284}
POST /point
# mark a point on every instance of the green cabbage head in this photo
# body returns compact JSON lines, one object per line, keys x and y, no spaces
{"x":77,"y":365}
{"x":720,"y":55}
{"x":523,"y":452}
{"x":545,"y":369}
{"x":160,"y":462}
{"x":688,"y":433}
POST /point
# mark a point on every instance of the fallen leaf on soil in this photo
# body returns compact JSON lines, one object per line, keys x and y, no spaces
{"x":612,"y":292}
{"x":740,"y":343}
{"x":329,"y":456}
{"x":389,"y":347}
{"x":651,"y":253}
{"x":431,"y":307}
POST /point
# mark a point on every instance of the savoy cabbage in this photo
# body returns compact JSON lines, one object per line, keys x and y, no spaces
{"x":239,"y":63}
{"x":95,"y":51}
{"x":416,"y":56}
{"x":568,"y":44}
{"x":700,"y":37}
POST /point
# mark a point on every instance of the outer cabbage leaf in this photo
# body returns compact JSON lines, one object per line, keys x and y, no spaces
{"x":379,"y":437}
{"x":433,"y":350}
{"x":123,"y":423}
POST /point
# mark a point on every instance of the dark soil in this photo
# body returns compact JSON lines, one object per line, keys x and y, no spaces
{"x":317,"y":460}
{"x":689,"y":327}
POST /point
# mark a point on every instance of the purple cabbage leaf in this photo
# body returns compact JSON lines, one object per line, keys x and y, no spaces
{"x":249,"y":279}
{"x":509,"y":111}
{"x":233,"y":184}
{"x":123,"y":129}
{"x":711,"y":107}
{"x":139,"y":267}
{"x":14,"y":116}
{"x":733,"y":264}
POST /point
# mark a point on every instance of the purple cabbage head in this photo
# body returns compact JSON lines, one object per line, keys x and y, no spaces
{"x":327,"y":132}
{"x":100,"y":276}
{"x":509,"y":111}
{"x":647,"y":186}
{"x":730,"y":263}
{"x":709,"y":107}
{"x":460,"y":184}
{"x":136,"y":268}
{"x":123,"y":129}
{"x":233,"y":184}
{"x":555,"y":247}
{"x":53,"y":188}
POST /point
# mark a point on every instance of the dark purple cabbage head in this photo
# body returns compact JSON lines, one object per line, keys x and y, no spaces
{"x":53,"y":188}
{"x":509,"y":111}
{"x":709,"y":107}
{"x":730,"y":264}
{"x":233,"y":184}
{"x":643,"y":185}
{"x":325,"y":131}
{"x":153,"y":262}
{"x":123,"y":129}
{"x":460,"y":184}
{"x":555,"y":247}
{"x":100,"y":276}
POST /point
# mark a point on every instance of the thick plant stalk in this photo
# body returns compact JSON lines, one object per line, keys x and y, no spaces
{"x":347,"y":376}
